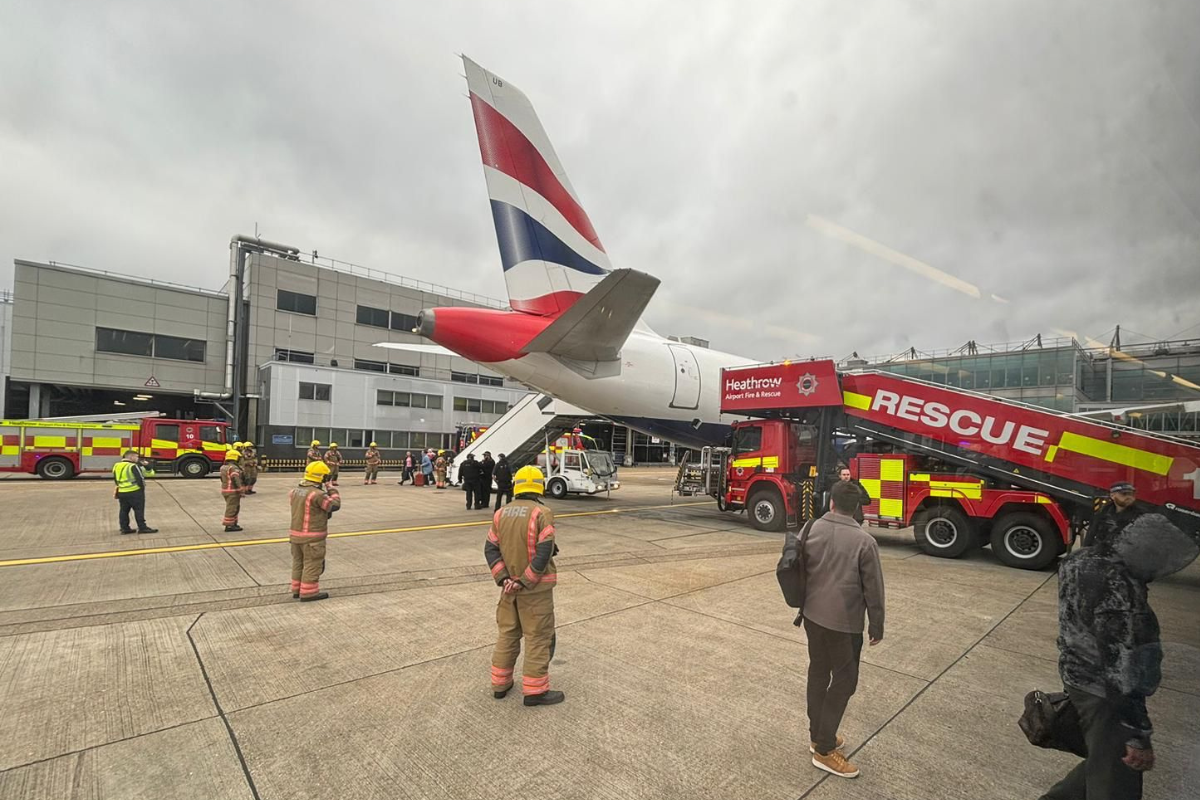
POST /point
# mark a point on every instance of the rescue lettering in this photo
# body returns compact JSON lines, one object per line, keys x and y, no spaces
{"x":962,"y":421}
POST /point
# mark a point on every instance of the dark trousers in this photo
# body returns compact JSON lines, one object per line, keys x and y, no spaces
{"x":1102,"y":775}
{"x":471,"y":488}
{"x":135,"y":502}
{"x":483,"y":493}
{"x":832,"y":678}
{"x":503,"y":492}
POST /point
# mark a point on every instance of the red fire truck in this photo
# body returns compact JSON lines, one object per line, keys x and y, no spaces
{"x":64,"y":448}
{"x":963,"y":468}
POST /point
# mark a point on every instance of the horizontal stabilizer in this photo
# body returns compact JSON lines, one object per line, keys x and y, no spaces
{"x":427,"y":349}
{"x":596,"y":326}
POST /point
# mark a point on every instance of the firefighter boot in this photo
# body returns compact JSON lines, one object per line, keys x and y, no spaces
{"x":547,"y":698}
{"x":501,"y":694}
{"x":147,"y":530}
{"x":314,"y":597}
{"x":233,"y":528}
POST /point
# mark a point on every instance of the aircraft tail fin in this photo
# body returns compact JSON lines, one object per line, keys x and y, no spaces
{"x":596,"y":326}
{"x":551,"y":254}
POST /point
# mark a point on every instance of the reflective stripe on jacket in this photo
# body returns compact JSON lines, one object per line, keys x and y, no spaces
{"x":311,"y":509}
{"x":232,"y":479}
{"x":520,"y":545}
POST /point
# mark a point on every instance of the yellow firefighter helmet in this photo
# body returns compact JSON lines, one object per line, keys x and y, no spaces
{"x":529,"y":480}
{"x":333,"y":444}
{"x":374,"y":445}
{"x":314,"y":443}
{"x":232,"y":455}
{"x":316,"y":472}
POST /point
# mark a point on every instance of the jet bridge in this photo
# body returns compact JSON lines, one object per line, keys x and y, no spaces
{"x":522,"y":433}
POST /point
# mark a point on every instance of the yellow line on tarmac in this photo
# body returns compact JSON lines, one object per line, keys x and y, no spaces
{"x":187,"y":548}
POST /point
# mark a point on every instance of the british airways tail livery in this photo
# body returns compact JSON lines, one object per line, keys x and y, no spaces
{"x":575,"y":330}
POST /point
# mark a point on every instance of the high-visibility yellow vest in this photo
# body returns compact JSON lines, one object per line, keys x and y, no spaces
{"x":123,"y":474}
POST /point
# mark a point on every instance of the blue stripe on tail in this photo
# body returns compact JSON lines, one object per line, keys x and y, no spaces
{"x":522,"y":238}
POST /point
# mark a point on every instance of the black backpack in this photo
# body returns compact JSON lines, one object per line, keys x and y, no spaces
{"x":1051,"y":721}
{"x":792,"y":570}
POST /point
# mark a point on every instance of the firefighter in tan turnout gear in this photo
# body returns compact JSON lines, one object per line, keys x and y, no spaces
{"x":314,"y":452}
{"x":374,"y":460}
{"x":520,"y":552}
{"x":313,"y":502}
{"x":249,"y":464}
{"x":233,"y":485}
{"x":333,"y":460}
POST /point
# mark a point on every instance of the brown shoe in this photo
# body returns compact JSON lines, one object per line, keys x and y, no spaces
{"x":841,"y":744}
{"x":835,"y":764}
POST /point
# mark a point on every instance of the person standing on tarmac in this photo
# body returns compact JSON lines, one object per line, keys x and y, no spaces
{"x":130,"y":492}
{"x":313,"y":503}
{"x":863,"y":496}
{"x":520,"y":542}
{"x":844,"y":584}
{"x":1120,"y":510}
{"x":232,"y":487}
{"x":406,"y":473}
{"x":504,"y":481}
{"x":427,"y":468}
{"x":468,"y":473}
{"x":333,"y":460}
{"x":314,"y":452}
{"x":249,"y":464}
{"x":374,"y":460}
{"x":439,"y":469}
{"x":483,"y":497}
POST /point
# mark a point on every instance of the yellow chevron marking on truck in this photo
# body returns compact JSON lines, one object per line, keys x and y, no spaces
{"x":1114,"y":453}
{"x":855,"y":400}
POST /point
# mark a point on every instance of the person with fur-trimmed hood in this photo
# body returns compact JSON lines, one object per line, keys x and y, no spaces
{"x":1110,"y":654}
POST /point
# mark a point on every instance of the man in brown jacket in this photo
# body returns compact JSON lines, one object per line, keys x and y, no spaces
{"x":312,"y":504}
{"x":844,"y":584}
{"x":374,"y":461}
{"x":233,"y":486}
{"x":520,"y":553}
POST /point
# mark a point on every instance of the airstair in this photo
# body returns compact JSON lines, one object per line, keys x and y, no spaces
{"x":522,"y":433}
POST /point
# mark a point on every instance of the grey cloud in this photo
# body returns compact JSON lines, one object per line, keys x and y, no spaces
{"x":1046,"y":152}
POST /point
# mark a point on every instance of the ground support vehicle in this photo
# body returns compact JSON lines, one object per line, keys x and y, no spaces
{"x":63,"y":448}
{"x":963,"y":468}
{"x":572,"y":467}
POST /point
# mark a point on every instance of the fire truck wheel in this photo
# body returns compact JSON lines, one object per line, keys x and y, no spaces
{"x":1025,"y":541}
{"x":557,"y":488}
{"x":54,"y":469}
{"x":943,"y":531}
{"x":766,"y":510}
{"x":193,"y":467}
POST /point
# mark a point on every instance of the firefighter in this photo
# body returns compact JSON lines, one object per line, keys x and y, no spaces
{"x":333,"y":460}
{"x":249,"y":464}
{"x":233,"y":486}
{"x":374,"y":460}
{"x":314,"y":452}
{"x":313,"y":503}
{"x":520,"y":543}
{"x":440,"y":465}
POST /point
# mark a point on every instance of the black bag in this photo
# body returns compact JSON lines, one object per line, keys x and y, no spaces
{"x":1052,"y":721}
{"x":791,"y":572}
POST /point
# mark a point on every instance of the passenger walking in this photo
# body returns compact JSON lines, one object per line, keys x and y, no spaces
{"x":333,"y":460}
{"x":130,"y":492}
{"x":439,"y":469}
{"x":520,"y":542}
{"x":1110,"y":654}
{"x":406,"y":473}
{"x":374,"y":460}
{"x":427,"y":468}
{"x":249,"y":463}
{"x":232,"y":487}
{"x":504,"y":481}
{"x":1120,"y":510}
{"x":483,"y":497}
{"x":844,"y":583}
{"x":314,"y":452}
{"x":469,"y":474}
{"x":863,"y":495}
{"x":313,"y":503}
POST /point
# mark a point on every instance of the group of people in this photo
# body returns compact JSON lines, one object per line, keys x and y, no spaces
{"x":477,"y":477}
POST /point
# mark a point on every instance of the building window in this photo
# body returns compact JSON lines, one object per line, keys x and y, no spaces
{"x":403,"y":322}
{"x":315,"y":391}
{"x":294,"y":356}
{"x":407,"y":399}
{"x":375,"y":317}
{"x":488,"y":380}
{"x":463,"y":377}
{"x":473,"y":405}
{"x":370,"y":366}
{"x":404,"y":369}
{"x":149,"y":345}
{"x":296,"y":303}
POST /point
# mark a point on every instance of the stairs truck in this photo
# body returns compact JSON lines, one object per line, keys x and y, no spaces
{"x":964,"y":469}
{"x":64,"y":447}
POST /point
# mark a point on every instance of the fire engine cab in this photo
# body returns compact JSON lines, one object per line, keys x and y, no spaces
{"x":964,"y":469}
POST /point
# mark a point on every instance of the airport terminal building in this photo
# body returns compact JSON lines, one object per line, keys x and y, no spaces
{"x":301,"y":355}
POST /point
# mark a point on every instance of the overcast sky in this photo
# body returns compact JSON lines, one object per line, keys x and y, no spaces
{"x":805,"y":177}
